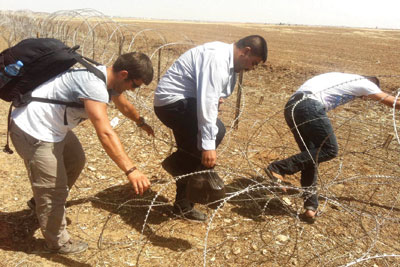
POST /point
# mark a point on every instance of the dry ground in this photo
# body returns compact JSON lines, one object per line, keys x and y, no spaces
{"x":360,"y":209}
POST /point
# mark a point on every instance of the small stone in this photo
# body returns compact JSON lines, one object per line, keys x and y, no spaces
{"x":264,"y":252}
{"x":282,"y":238}
{"x":254,"y":246}
{"x":114,"y":122}
{"x":227,"y":220}
{"x":287,"y":201}
{"x":236,"y":251}
{"x":91,"y":168}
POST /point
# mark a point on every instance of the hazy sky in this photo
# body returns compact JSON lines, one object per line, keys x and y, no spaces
{"x":353,"y":13}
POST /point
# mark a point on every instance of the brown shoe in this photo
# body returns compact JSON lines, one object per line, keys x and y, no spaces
{"x":276,"y":179}
{"x":71,"y":247}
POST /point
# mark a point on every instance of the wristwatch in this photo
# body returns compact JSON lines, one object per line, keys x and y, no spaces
{"x":141,"y":122}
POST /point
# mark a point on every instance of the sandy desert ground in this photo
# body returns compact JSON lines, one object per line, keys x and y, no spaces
{"x":359,"y":217}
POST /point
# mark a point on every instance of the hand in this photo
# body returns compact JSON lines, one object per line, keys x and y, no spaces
{"x":220,"y":102}
{"x":209,"y":158}
{"x":148,"y":129}
{"x":139,"y":181}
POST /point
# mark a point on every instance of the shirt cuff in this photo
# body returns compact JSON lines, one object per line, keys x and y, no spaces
{"x":208,"y":144}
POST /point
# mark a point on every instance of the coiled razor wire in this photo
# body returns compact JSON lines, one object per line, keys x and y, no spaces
{"x":366,"y":203}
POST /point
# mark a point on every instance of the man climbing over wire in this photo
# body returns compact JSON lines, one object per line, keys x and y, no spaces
{"x":305,"y":114}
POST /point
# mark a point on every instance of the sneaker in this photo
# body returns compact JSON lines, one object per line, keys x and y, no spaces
{"x":31,"y":204}
{"x":71,"y":247}
{"x":189,"y":214}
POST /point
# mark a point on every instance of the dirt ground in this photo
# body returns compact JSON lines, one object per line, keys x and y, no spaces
{"x":358,"y":222}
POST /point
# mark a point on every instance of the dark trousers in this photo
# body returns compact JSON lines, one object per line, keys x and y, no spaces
{"x":315,"y":133}
{"x":181,"y":118}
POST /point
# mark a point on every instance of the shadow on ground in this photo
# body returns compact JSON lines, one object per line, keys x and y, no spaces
{"x":17,"y":231}
{"x":121,"y":200}
{"x":264,"y":199}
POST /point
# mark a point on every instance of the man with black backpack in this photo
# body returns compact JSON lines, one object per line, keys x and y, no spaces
{"x":54,"y":158}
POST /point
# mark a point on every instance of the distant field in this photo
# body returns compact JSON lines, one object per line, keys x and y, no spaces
{"x":258,"y":225}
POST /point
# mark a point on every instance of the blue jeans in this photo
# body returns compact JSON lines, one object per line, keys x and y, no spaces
{"x":315,"y":133}
{"x":181,"y":117}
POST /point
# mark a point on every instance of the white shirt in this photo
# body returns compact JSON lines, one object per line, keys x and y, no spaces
{"x":206,"y":73}
{"x":45,"y":121}
{"x":334,"y":88}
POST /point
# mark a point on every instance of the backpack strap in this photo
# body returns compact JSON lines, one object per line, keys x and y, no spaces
{"x":90,"y":67}
{"x":2,"y":65}
{"x":84,"y":61}
{"x":7,"y":148}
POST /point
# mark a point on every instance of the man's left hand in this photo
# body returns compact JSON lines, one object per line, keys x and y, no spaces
{"x":209,"y":158}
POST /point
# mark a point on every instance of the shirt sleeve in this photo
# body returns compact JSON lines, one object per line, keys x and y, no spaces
{"x":210,"y":82}
{"x":366,"y":87}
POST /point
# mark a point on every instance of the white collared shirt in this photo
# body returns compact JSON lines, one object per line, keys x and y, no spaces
{"x":206,"y":73}
{"x":333,"y":89}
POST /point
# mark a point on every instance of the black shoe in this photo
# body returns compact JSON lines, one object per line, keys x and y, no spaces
{"x":206,"y":188}
{"x":189,"y":213}
{"x":31,"y":204}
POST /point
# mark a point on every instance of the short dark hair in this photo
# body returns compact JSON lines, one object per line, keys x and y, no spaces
{"x":137,"y":64}
{"x":257,"y":44}
{"x":373,"y":79}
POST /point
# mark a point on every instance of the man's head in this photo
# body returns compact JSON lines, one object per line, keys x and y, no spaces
{"x":249,"y":52}
{"x":131,"y":70}
{"x":373,"y":79}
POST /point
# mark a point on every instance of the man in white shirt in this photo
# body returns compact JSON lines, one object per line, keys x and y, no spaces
{"x":187,"y":99}
{"x":305,"y":114}
{"x":54,"y":158}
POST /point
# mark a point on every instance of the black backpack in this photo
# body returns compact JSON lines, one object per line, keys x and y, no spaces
{"x":43,"y":59}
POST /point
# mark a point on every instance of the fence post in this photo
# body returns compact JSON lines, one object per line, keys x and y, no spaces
{"x":159,"y":64}
{"x":121,"y":44}
{"x":239,"y":97}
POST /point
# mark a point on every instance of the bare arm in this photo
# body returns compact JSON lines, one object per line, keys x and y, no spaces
{"x":97,"y":112}
{"x":130,"y":112}
{"x":386,"y":99}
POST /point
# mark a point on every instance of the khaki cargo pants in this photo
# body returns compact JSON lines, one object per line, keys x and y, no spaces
{"x":52,"y":169}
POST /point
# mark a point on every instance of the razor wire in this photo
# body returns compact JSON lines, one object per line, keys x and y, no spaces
{"x":272,"y":232}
